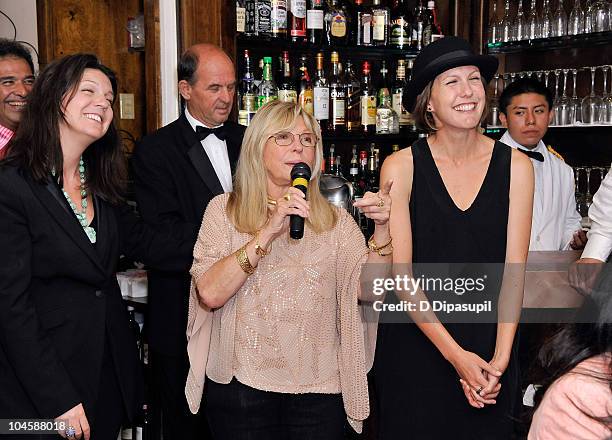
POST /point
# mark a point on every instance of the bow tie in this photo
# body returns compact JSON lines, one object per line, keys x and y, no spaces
{"x":203,"y":132}
{"x":533,"y":154}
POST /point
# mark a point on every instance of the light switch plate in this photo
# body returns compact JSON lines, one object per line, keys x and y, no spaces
{"x":126,"y":106}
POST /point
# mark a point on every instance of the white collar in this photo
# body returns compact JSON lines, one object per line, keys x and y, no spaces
{"x":195,"y":122}
{"x":507,"y":139}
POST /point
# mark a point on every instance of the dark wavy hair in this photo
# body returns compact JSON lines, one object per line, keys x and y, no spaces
{"x":14,"y":49}
{"x":590,"y":335}
{"x":37,"y":148}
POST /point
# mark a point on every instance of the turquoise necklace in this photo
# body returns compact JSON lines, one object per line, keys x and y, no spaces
{"x":81,"y":215}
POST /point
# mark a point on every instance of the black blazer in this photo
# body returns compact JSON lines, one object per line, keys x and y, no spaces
{"x":59,"y":300}
{"x":174,"y":180}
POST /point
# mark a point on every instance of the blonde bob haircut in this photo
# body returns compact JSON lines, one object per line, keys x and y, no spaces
{"x":247,"y":206}
{"x":424,"y":119}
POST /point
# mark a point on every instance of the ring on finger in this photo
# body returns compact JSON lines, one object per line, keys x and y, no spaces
{"x":70,"y":432}
{"x":287,"y":197}
{"x":478,"y":390}
{"x":381,"y":202}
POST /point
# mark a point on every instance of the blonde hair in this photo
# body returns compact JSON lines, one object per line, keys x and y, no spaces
{"x":247,"y":206}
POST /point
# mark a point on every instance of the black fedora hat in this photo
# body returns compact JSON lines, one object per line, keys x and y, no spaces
{"x":440,"y":56}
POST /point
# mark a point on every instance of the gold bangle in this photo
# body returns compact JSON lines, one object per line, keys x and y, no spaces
{"x":259,"y":250}
{"x":385,"y":254}
{"x":243,"y":261}
{"x":375,"y":248}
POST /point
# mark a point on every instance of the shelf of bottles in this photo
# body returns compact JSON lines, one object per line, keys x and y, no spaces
{"x":345,"y":62}
{"x":558,"y":24}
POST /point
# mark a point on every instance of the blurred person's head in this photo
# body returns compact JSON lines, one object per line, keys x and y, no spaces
{"x":16,"y":80}
{"x":207,"y":83}
{"x":70,"y":107}
{"x":280,"y":135}
{"x":526,"y":110}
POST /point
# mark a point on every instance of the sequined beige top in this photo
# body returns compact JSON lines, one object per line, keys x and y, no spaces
{"x":295,"y":326}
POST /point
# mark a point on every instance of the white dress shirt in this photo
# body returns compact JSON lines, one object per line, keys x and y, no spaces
{"x":600,"y":213}
{"x":216,"y":150}
{"x":555,"y":218}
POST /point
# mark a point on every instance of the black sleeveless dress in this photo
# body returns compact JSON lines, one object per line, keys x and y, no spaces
{"x":418,"y":393}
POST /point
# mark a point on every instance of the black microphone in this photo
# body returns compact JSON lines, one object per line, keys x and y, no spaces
{"x":300,"y":176}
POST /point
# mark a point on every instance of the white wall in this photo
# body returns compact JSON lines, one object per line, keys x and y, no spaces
{"x":23,"y":14}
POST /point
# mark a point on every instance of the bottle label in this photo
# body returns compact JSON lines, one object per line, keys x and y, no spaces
{"x":262,"y":17}
{"x":244,"y":117}
{"x":298,"y":8}
{"x":287,"y":96}
{"x":251,"y":17}
{"x":240,"y":19}
{"x":338,"y":25}
{"x":400,"y":34}
{"x":306,"y":100}
{"x":366,"y":29}
{"x":314,"y":19}
{"x":278,"y":16}
{"x":338,"y":106}
{"x":378,"y":26}
{"x":263,"y":100}
{"x":321,"y":103}
{"x":249,"y":102}
{"x":368,"y":110}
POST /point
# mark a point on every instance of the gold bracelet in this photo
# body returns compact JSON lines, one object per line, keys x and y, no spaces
{"x":243,"y":261}
{"x":375,"y":248}
{"x":385,"y":254}
{"x":259,"y":250}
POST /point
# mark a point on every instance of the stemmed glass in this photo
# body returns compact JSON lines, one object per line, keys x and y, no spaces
{"x":606,"y":108}
{"x":598,"y":17}
{"x":578,"y":194}
{"x":591,"y":104}
{"x":557,"y":73}
{"x":519,"y":27}
{"x":494,"y":25}
{"x":533,"y":22}
{"x":562,"y":107}
{"x":506,"y":24}
{"x":546,"y":20}
{"x":575,"y":102}
{"x":588,"y":197}
{"x":494,"y":104}
{"x":559,"y":24}
{"x":576,"y":20}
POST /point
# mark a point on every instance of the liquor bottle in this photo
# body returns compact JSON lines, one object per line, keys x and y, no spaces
{"x":286,"y":90}
{"x":336,"y":24}
{"x":331,"y":161}
{"x":247,"y":93}
{"x":354,"y":179}
{"x":315,"y":22}
{"x":136,"y":331}
{"x":354,"y":161}
{"x":372,"y":171}
{"x":296,"y":20}
{"x":428,"y":27}
{"x":267,"y":89}
{"x":384,"y":76}
{"x":240,"y":16}
{"x":418,"y":25}
{"x":353,"y":98}
{"x":278,"y":18}
{"x":250,"y":13}
{"x":362,"y":20}
{"x":367,"y":101}
{"x":397,"y":93}
{"x":305,"y":92}
{"x":387,"y":120}
{"x":339,"y":172}
{"x":263,"y":13}
{"x":400,"y":31}
{"x":437,"y":29}
{"x":321,"y":94}
{"x":337,"y":96}
{"x":380,"y":24}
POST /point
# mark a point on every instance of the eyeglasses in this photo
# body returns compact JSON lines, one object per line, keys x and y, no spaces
{"x":285,"y":138}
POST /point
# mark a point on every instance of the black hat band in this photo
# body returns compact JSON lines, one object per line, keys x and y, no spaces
{"x":449,"y":56}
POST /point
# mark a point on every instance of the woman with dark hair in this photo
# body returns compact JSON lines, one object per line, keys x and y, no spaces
{"x":574,"y":400}
{"x":458,"y":197}
{"x":66,"y":349}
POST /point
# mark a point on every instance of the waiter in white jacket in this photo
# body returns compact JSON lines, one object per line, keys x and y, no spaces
{"x":526,"y":110}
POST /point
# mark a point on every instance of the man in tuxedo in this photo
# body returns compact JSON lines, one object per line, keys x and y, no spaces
{"x":177,"y":171}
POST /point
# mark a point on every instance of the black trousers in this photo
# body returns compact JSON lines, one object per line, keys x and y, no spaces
{"x":169,"y":374}
{"x":238,"y":412}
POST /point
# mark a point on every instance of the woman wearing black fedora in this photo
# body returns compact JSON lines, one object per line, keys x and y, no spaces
{"x":458,"y":197}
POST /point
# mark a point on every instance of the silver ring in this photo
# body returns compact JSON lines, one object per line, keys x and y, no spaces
{"x":70,"y":431}
{"x":478,"y":390}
